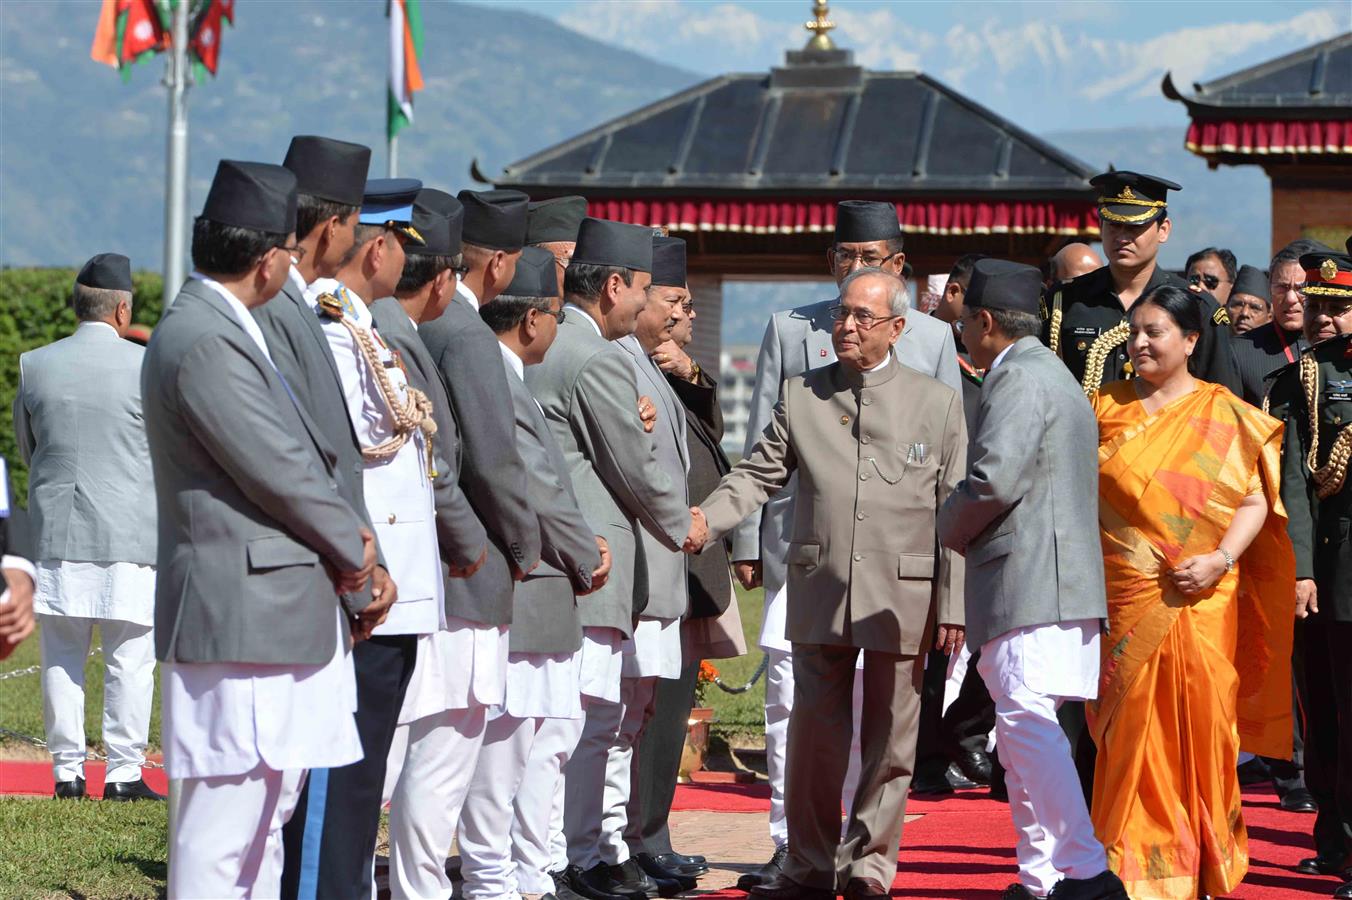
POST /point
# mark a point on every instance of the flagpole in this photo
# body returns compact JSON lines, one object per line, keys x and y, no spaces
{"x":176,"y":155}
{"x":392,"y":159}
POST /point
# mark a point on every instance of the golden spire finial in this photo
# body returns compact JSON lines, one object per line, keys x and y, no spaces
{"x":820,"y":28}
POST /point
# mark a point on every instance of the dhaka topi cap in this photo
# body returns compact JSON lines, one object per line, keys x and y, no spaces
{"x":536,"y":275}
{"x":864,"y":221}
{"x":601,"y":242}
{"x":668,"y":261}
{"x":1328,"y":276}
{"x":438,"y":218}
{"x":495,"y":219}
{"x":253,"y":195}
{"x":1253,"y":281}
{"x":110,"y":271}
{"x":329,"y":169}
{"x":1002,"y":284}
{"x":1131,"y":198}
{"x":389,"y":202}
{"x":555,"y":220}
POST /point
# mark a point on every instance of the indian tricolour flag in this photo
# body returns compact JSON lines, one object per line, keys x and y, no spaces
{"x":406,"y":40}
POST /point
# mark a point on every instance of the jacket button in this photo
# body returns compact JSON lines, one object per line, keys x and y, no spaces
{"x":863,"y":476}
{"x":859,"y":516}
{"x":858,"y":557}
{"x":867,"y":401}
{"x":390,"y":519}
{"x":865,"y":439}
{"x":844,"y":420}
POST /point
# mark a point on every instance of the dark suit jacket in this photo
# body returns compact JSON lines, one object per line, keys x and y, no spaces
{"x":465,"y":352}
{"x":708,"y":571}
{"x":1261,"y":352}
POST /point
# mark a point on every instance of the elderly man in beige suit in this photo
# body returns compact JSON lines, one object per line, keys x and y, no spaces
{"x":877,"y":448}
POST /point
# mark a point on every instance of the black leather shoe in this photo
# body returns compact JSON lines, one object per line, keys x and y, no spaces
{"x":1017,"y":891}
{"x":865,"y":889}
{"x":130,"y":790}
{"x":1321,"y":865}
{"x":957,"y":779}
{"x":1299,"y":800}
{"x":563,"y":883}
{"x":1103,"y":886}
{"x":674,"y":860}
{"x":656,"y":871}
{"x":625,"y":880}
{"x":70,"y":790}
{"x":975,"y":765}
{"x":1344,"y":892}
{"x":782,"y":887}
{"x":766,"y":872}
{"x":932,"y":785}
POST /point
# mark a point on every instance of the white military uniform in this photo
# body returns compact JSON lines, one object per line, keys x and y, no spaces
{"x":459,"y":675}
{"x":238,"y":738}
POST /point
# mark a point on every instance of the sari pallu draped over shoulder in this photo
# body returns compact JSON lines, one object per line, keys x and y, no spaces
{"x":1186,"y":681}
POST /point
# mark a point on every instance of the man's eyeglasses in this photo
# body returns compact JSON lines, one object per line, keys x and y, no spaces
{"x":862,"y":317}
{"x":843,"y":259}
{"x":558,"y":314}
{"x":688,"y":307}
{"x":296,"y":251}
{"x":1211,"y":281}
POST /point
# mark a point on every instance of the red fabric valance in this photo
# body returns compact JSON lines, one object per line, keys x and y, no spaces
{"x":1258,"y":137}
{"x":958,"y":217}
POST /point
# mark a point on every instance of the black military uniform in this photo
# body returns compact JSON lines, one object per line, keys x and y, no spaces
{"x":1086,"y":320}
{"x":1318,"y":502}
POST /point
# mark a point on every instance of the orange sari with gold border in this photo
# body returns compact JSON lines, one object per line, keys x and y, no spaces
{"x":1186,"y":681}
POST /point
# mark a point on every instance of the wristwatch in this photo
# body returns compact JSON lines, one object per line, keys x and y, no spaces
{"x":1229,"y":560}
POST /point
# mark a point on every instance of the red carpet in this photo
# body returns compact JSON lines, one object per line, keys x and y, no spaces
{"x":961,"y":847}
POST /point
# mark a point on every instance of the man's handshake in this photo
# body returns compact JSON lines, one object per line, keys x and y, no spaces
{"x":699,"y":531}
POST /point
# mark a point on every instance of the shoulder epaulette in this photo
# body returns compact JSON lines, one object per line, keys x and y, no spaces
{"x":1220,"y":316}
{"x":331,"y":306}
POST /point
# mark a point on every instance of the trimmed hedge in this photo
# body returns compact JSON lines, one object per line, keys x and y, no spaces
{"x":34,"y":311}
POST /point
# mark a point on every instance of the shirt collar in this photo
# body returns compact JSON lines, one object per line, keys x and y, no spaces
{"x":1000,"y":358}
{"x":83,"y":325}
{"x":239,"y":310}
{"x":514,"y":362}
{"x":586,"y":317}
{"x":886,"y":359}
{"x":470,"y":297}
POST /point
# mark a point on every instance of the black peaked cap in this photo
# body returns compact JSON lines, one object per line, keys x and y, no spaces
{"x":555,"y":220}
{"x":1251,"y":280}
{"x":1002,"y":284}
{"x":536,"y":275}
{"x":253,"y":195}
{"x":439,"y":218}
{"x":863,"y":221}
{"x":1328,"y":276}
{"x":601,"y":242}
{"x":495,"y":219}
{"x":1132,"y":198}
{"x":111,"y":271}
{"x":329,"y":169}
{"x":668,"y":261}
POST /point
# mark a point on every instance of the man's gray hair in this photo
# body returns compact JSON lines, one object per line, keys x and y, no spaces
{"x":96,"y":304}
{"x":898,"y":298}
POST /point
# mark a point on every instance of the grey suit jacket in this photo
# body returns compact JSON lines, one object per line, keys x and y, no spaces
{"x":587,"y":389}
{"x":864,"y":566}
{"x":301,"y":354}
{"x":78,"y":422}
{"x":1026,"y":516}
{"x":798,"y":341}
{"x":460,"y":534}
{"x":545,"y":616}
{"x":668,"y":591}
{"x":249,"y":508}
{"x":465,"y":352}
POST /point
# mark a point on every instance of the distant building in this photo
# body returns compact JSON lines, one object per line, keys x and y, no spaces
{"x":737,"y":379}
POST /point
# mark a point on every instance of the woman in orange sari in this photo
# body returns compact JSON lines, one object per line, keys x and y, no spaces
{"x":1201,"y":588}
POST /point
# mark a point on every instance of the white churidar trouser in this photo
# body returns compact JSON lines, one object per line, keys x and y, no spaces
{"x":225,"y":833}
{"x":778,"y":706}
{"x":428,"y":795}
{"x":128,"y":692}
{"x":584,"y":780}
{"x":485,"y":833}
{"x":538,"y":843}
{"x":636,"y":697}
{"x":1046,"y":802}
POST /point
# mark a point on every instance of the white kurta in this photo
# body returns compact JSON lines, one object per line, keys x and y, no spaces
{"x":601,"y":664}
{"x":655,"y":650}
{"x":121,"y":591}
{"x":227,"y":718}
{"x":461,"y":666}
{"x":1056,"y":660}
{"x":397,"y":490}
{"x":543,"y":685}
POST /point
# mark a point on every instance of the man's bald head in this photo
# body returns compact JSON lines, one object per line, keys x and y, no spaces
{"x":1074,"y":260}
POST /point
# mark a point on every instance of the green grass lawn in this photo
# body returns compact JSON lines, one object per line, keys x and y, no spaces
{"x":21,"y":699}
{"x":102,"y":851}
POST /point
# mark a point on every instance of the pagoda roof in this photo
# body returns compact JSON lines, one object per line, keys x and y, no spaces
{"x":819,"y":126}
{"x":1313,"y":83}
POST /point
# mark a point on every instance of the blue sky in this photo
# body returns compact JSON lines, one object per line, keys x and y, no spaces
{"x":1051,"y":66}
